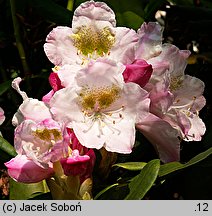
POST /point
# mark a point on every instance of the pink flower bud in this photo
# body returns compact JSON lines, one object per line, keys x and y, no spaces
{"x":75,"y":164}
{"x":138,"y":72}
{"x":55,"y":81}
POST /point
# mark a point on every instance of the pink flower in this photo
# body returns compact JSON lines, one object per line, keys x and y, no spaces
{"x":101,"y":108}
{"x":22,"y":169}
{"x":37,"y":135}
{"x":2,"y":117}
{"x":41,"y":142}
{"x":138,"y":72}
{"x":93,"y":34}
{"x":176,"y":98}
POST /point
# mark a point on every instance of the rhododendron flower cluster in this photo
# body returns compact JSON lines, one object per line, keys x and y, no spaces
{"x":107,"y":83}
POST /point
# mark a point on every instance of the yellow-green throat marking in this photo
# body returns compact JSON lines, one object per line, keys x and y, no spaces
{"x":93,"y":42}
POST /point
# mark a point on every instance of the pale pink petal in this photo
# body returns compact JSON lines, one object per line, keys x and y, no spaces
{"x":190,"y":125}
{"x":23,"y":135}
{"x":197,"y":129}
{"x":162,"y":136}
{"x":89,"y":136}
{"x":124,"y":48}
{"x":67,"y":73}
{"x":24,"y":170}
{"x":179,"y":120}
{"x":101,"y":72}
{"x":198,"y":104}
{"x":68,"y":96}
{"x":15,"y":84}
{"x":2,"y":117}
{"x":150,"y":40}
{"x":91,"y":12}
{"x":59,"y":47}
{"x":119,"y":137}
{"x":41,"y":142}
{"x":176,"y":59}
{"x":187,"y":94}
{"x":136,"y":100}
{"x":161,"y":97}
{"x":124,"y":141}
{"x":31,"y":109}
{"x":46,"y":98}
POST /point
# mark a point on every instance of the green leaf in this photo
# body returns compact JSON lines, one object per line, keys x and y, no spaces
{"x":174,"y":166}
{"x":7,"y":147}
{"x":104,"y":190}
{"x":22,"y":191}
{"x":5,"y":86}
{"x":129,"y":19}
{"x":133,"y":166}
{"x":141,"y":184}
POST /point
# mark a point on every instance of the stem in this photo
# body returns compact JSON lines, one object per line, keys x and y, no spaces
{"x":70,"y":5}
{"x":18,"y":39}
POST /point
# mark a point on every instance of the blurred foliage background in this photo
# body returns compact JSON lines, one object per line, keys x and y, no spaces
{"x":24,"y":25}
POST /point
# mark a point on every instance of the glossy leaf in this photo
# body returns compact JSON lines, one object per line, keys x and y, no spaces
{"x":133,"y":166}
{"x":141,"y":184}
{"x":129,"y":19}
{"x":105,"y":190}
{"x":174,"y":166}
{"x":22,"y":191}
{"x":7,"y":147}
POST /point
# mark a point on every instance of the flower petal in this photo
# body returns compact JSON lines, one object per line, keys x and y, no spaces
{"x":75,"y":164}
{"x":150,"y":40}
{"x":67,"y":73}
{"x":22,"y":169}
{"x":123,"y":49}
{"x":59,"y":47}
{"x":2,"y":117}
{"x":93,"y":12}
{"x":31,"y":109}
{"x":162,"y":136}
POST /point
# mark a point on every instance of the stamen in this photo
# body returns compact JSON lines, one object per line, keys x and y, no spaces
{"x":92,"y":42}
{"x":55,"y":69}
{"x":176,"y":83}
{"x":48,"y":134}
{"x":98,"y":98}
{"x":94,"y":101}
